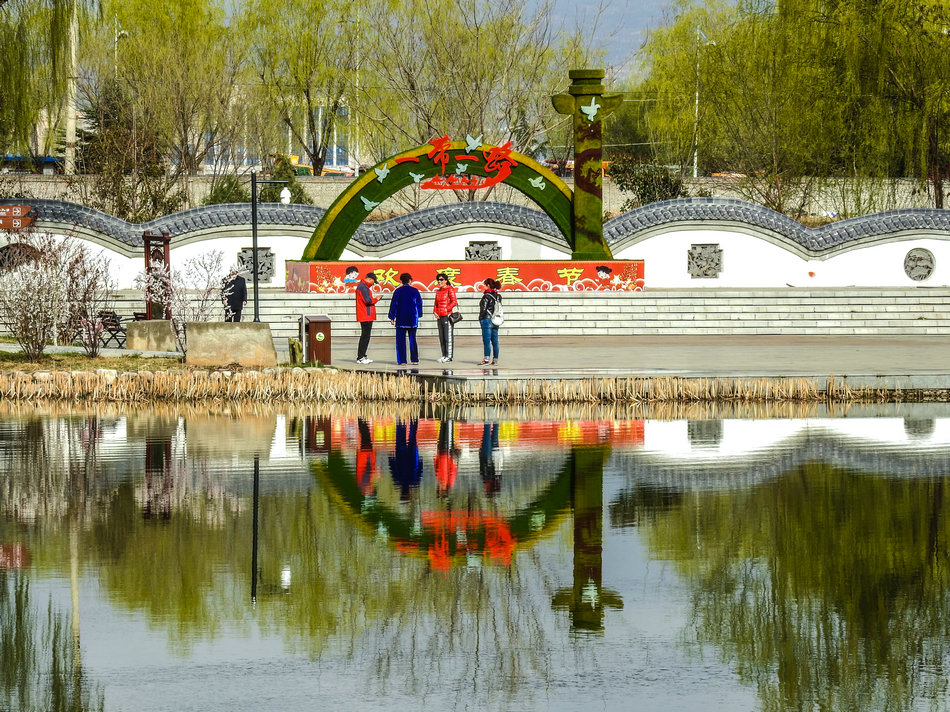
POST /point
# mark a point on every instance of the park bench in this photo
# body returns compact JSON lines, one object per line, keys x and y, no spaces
{"x":112,"y":329}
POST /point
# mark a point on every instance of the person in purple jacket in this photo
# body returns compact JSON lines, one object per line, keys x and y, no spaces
{"x":405,"y":308}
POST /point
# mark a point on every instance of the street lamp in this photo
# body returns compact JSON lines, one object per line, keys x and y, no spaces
{"x":285,"y":199}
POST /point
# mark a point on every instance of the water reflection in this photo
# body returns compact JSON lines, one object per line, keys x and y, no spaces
{"x":478,"y":569}
{"x":587,"y":599}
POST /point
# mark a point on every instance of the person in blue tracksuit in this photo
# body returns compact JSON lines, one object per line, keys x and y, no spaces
{"x":405,"y":308}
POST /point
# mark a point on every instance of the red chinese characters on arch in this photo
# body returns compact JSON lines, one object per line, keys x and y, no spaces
{"x":468,"y":276}
{"x":496,"y":162}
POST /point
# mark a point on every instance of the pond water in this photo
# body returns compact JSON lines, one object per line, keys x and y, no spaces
{"x":389,"y":558}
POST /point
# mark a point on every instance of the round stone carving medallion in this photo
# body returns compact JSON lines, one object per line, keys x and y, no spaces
{"x":919,"y":264}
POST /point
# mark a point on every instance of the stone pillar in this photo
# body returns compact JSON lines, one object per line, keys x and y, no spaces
{"x":586,"y":102}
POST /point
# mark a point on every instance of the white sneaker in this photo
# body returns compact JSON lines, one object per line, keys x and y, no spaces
{"x":364,"y":360}
{"x":444,"y":359}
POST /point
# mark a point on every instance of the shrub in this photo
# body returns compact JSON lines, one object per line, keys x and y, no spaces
{"x":646,"y":182}
{"x":227,"y":189}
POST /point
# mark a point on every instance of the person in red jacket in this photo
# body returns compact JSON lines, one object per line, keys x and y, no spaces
{"x":446,"y":458}
{"x":365,"y":315}
{"x":445,"y":302}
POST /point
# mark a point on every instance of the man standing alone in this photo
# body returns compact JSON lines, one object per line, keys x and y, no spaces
{"x":234,"y":296}
{"x":365,"y":315}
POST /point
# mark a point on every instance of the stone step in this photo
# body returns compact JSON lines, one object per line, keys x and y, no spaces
{"x":655,"y":312}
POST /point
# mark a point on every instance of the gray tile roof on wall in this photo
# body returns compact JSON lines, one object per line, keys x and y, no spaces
{"x":370,"y":234}
{"x":819,"y":239}
{"x":715,"y":211}
{"x":178,"y":224}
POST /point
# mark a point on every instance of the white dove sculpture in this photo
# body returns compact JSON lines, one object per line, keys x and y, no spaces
{"x":590,"y":111}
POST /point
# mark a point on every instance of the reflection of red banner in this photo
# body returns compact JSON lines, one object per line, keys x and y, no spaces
{"x":467,"y":276}
{"x":497,"y":542}
{"x":535,"y":435}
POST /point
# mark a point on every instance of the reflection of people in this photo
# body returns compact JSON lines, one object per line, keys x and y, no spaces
{"x":405,"y":308}
{"x":365,"y":459}
{"x":486,"y":307}
{"x":234,"y":296}
{"x":445,"y":302}
{"x":352,"y":275}
{"x":365,"y":315}
{"x":486,"y":460}
{"x":405,"y":463}
{"x":446,"y":458}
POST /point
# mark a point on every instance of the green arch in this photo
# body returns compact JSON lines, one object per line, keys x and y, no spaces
{"x":348,"y":211}
{"x":527,"y":525}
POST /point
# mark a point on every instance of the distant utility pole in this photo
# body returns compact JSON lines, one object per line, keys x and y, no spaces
{"x":69,"y":163}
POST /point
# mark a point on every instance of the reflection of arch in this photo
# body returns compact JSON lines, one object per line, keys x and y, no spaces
{"x":525,"y":525}
{"x":352,"y":206}
{"x":16,"y":254}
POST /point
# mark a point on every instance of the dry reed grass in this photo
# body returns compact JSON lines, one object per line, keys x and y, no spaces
{"x":307,"y":386}
{"x":475,"y":411}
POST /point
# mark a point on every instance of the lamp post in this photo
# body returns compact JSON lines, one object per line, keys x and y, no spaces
{"x":285,"y":199}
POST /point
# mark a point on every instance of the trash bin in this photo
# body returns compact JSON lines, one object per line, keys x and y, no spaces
{"x":316,"y":333}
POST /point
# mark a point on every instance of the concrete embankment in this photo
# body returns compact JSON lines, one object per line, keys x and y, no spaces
{"x":551,"y":370}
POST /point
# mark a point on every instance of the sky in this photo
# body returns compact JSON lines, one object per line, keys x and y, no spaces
{"x":622,"y":26}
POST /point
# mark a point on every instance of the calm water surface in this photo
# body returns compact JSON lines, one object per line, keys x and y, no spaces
{"x":474,"y":560}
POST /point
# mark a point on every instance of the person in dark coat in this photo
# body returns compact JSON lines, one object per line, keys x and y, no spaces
{"x":234,"y":296}
{"x":405,"y":465}
{"x":405,"y":308}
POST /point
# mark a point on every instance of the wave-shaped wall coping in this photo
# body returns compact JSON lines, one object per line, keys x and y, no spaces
{"x":210,"y":221}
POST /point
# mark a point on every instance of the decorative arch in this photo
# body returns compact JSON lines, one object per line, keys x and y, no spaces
{"x":494,"y":535}
{"x":459,"y":164}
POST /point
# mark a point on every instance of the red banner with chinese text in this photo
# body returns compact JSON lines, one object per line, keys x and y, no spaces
{"x":467,"y":276}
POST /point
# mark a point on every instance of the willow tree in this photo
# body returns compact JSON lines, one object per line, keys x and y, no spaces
{"x":179,"y":64}
{"x":305,"y":56}
{"x":897,"y":57}
{"x":34,"y":69}
{"x":744,"y":90}
{"x":463,"y":67}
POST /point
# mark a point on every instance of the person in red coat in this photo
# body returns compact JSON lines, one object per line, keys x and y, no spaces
{"x":446,"y":458}
{"x":365,"y":315}
{"x":445,"y":302}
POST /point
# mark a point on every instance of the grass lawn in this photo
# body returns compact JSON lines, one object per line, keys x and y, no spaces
{"x":81,"y":362}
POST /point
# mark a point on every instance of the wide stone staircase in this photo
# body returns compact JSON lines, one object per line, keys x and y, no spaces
{"x":884,"y":311}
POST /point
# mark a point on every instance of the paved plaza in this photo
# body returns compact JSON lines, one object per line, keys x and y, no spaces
{"x":909,"y":362}
{"x":880,"y":361}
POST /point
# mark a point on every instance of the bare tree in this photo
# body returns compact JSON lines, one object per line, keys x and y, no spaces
{"x":55,"y":288}
{"x":193,"y":293}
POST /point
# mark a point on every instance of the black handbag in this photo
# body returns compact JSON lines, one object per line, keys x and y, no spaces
{"x":455,"y":317}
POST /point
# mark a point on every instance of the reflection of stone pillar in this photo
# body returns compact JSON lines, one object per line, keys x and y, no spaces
{"x":158,"y":457}
{"x":586,"y":599}
{"x":319,"y":435}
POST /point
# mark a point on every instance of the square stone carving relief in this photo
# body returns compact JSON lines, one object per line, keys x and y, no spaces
{"x":704,"y":261}
{"x":265,"y":262}
{"x":483,"y":251}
